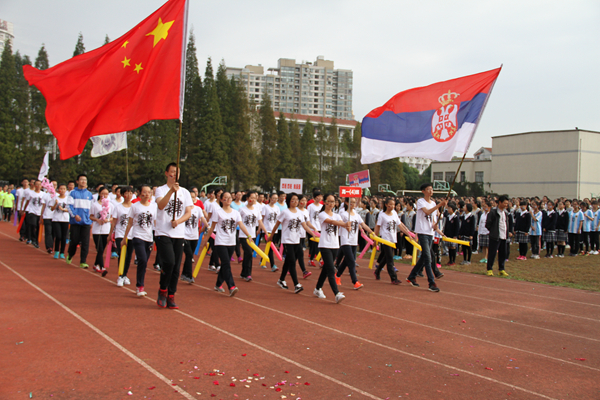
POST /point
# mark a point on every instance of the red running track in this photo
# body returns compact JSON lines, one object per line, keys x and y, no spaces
{"x":68,"y":333}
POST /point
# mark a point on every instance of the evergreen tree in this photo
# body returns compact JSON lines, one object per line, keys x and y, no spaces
{"x":191,"y":106}
{"x":307,"y":160}
{"x":244,"y":165}
{"x":79,"y":47}
{"x":284,"y":147}
{"x":269,"y":160}
{"x":106,"y":40}
{"x":353,"y":148}
{"x":392,"y":174}
{"x":322,"y":147}
{"x":295,"y":139}
{"x":225,"y":94}
{"x":10,"y":163}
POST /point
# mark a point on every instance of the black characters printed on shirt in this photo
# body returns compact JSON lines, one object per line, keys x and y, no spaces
{"x":36,"y":201}
{"x":228,"y":225}
{"x":272,"y":217}
{"x":391,"y":227}
{"x":123,"y":220}
{"x":250,"y":220}
{"x":294,"y":225}
{"x":331,"y":229}
{"x":354,"y":227}
{"x":144,"y":220}
{"x":174,"y":207}
{"x":192,"y":222}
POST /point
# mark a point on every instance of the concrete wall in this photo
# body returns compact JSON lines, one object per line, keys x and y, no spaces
{"x":469,"y":167}
{"x":589,"y":171}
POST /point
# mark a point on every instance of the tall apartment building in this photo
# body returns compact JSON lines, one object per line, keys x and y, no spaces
{"x":6,"y":33}
{"x":311,"y":89}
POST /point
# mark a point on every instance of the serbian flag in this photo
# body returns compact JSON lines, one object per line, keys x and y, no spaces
{"x":119,"y":86}
{"x":429,"y":122}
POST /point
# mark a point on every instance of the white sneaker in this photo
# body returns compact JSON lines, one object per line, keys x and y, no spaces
{"x":339,"y":297}
{"x":319,"y":293}
{"x":126,"y":281}
{"x":120,"y":281}
{"x":475,"y":252}
{"x":140,"y":291}
{"x":217,"y":269}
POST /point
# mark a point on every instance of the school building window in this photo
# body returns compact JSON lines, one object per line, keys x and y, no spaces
{"x":479,"y":176}
{"x":450,"y":176}
{"x":438,"y":176}
{"x":463,"y":177}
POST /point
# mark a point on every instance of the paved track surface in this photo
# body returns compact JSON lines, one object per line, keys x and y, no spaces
{"x":68,"y":333}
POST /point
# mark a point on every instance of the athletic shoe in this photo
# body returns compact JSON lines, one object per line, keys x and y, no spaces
{"x":306,"y":274}
{"x":28,"y":241}
{"x":396,"y":282}
{"x":240,"y":259}
{"x":156,"y":267}
{"x":274,"y":268}
{"x":298,"y":288}
{"x":483,"y":260}
{"x":186,"y":279}
{"x":140,"y":291}
{"x":126,"y":281}
{"x":217,"y":269}
{"x":434,"y":288}
{"x":377,"y":274}
{"x":490,"y":272}
{"x":56,"y":254}
{"x":502,"y":273}
{"x":420,"y":275}
{"x":232,"y":291}
{"x":397,"y":258}
{"x":312,"y":263}
{"x":450,"y":264}
{"x":282,"y":284}
{"x":467,"y":262}
{"x":321,"y":263}
{"x":114,"y":255}
{"x":338,"y":281}
{"x":171,"y":302}
{"x":21,"y":239}
{"x":463,"y":263}
{"x":438,"y":265}
{"x":248,"y":278}
{"x":62,"y":256}
{"x":104,"y":272}
{"x":412,"y":282}
{"x":49,"y":251}
{"x":97,"y":268}
{"x":263,"y":266}
{"x":232,"y":258}
{"x":550,"y":256}
{"x":211,"y":268}
{"x":37,"y":246}
{"x":475,"y":252}
{"x":84,"y":266}
{"x":319,"y":293}
{"x":561,"y":256}
{"x":162,"y":298}
{"x":219,"y":289}
{"x":339,"y":297}
{"x":358,"y":285}
{"x":440,"y":276}
{"x":120,"y":281}
{"x":68,"y":260}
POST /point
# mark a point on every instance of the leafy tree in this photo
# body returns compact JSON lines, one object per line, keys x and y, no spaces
{"x":307,"y":160}
{"x":392,"y":174}
{"x":322,"y":147}
{"x":269,"y":160}
{"x":286,"y":160}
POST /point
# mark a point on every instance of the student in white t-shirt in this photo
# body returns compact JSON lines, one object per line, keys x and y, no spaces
{"x":214,"y":196}
{"x":174,"y":208}
{"x":313,"y":211}
{"x":387,"y":227}
{"x":302,"y":200}
{"x":101,"y":212}
{"x":142,"y":217}
{"x":47,"y":215}
{"x":119,"y":225}
{"x":292,"y":221}
{"x":424,"y":228}
{"x":349,"y":242}
{"x":192,"y":233}
{"x":329,"y":244}
{"x":33,"y":208}
{"x":60,"y":221}
{"x":252,"y":218}
{"x":223,"y":223}
{"x":270,"y":212}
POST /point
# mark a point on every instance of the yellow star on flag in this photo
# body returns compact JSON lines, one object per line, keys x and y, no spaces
{"x":126,"y":62}
{"x":138,"y":68}
{"x":161,"y":31}
{"x":125,"y":44}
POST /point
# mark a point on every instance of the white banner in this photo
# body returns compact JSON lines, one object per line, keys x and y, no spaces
{"x":45,"y":166}
{"x":106,"y":144}
{"x":290,"y":185}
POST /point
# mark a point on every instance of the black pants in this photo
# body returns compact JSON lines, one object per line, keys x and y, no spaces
{"x":128,"y":254}
{"x":171,"y":251}
{"x":425,"y":260}
{"x":434,"y":260}
{"x":328,"y":271}
{"x":276,"y":241}
{"x":224,"y":253}
{"x":142,"y":252}
{"x":301,"y":258}
{"x":293,"y":252}
{"x":100,"y":242}
{"x":399,"y":244}
{"x":388,"y":260}
{"x":313,"y":248}
{"x":237,"y":242}
{"x":7,"y":213}
{"x":496,"y":246}
{"x":247,"y":261}
{"x":214,"y":258}
{"x":189,"y":246}
{"x":23,"y":230}
{"x":60,"y":231}
{"x":33,"y":227}
{"x":535,"y":244}
{"x":349,"y":254}
{"x":594,"y":240}
{"x":585,"y":241}
{"x":80,"y":235}
{"x":48,"y":234}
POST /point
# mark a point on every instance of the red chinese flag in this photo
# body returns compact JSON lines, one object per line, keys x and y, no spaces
{"x":120,"y":86}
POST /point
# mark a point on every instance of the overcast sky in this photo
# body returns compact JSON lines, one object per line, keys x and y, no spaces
{"x":550,"y":49}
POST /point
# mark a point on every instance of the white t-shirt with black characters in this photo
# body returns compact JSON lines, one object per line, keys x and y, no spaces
{"x":329,"y":232}
{"x":96,"y":211}
{"x":58,"y":215}
{"x":35,"y":202}
{"x":425,"y":223}
{"x":225,"y":228}
{"x":210,"y":206}
{"x":174,"y":207}
{"x":270,"y":215}
{"x":47,"y":200}
{"x":352,"y":239}
{"x":313,"y":211}
{"x":291,"y":226}
{"x":305,"y":218}
{"x":191,"y":225}
{"x":388,"y":226}
{"x":143,"y":220}
{"x":250,"y":218}
{"x":121,"y":214}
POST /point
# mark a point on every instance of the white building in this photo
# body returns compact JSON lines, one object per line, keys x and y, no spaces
{"x":6,"y":33}
{"x":416,"y":162}
{"x":551,"y":163}
{"x":315,"y":89}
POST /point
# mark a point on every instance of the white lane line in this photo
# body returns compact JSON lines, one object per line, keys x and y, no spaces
{"x":462,"y":335}
{"x":105,"y":336}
